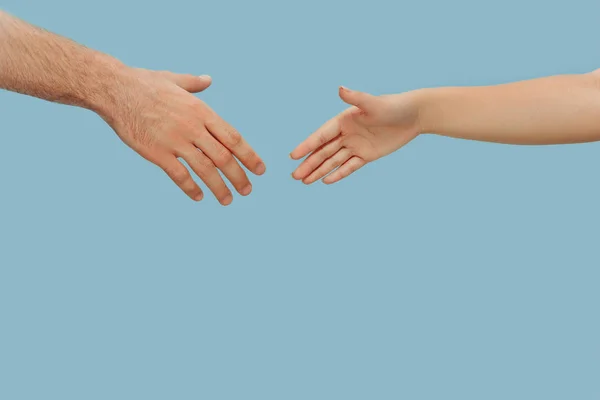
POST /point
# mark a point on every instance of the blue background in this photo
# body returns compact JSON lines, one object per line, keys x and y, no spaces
{"x":448,"y":270}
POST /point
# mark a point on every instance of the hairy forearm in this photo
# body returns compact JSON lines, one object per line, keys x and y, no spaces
{"x":41,"y":64}
{"x":552,"y":110}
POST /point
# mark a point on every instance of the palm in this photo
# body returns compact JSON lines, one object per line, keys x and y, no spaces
{"x":373,"y":128}
{"x":372,"y":141}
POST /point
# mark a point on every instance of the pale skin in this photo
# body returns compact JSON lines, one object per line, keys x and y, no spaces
{"x":153,"y":112}
{"x":553,"y":110}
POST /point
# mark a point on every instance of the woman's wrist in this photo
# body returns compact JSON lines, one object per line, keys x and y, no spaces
{"x":427,"y":103}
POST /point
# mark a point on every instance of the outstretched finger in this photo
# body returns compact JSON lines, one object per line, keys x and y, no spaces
{"x":313,"y":161}
{"x":349,"y":167}
{"x":320,"y":137}
{"x":223,"y":160}
{"x":206,"y":170}
{"x":329,"y":165}
{"x":181,"y":176}
{"x":235,"y":142}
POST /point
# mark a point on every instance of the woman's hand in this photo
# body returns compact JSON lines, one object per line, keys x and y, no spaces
{"x":373,"y":127}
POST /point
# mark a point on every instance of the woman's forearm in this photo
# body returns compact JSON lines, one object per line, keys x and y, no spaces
{"x":552,"y":110}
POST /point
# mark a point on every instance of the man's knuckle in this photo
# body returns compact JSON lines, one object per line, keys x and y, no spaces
{"x":210,"y":120}
{"x":191,"y":106}
{"x":249,"y":157}
{"x":223,"y":158}
{"x":252,"y":157}
{"x":180,"y":175}
{"x":203,"y":164}
{"x":234,"y":137}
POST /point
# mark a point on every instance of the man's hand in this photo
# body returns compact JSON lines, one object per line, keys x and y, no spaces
{"x":373,"y":127}
{"x":154,"y":113}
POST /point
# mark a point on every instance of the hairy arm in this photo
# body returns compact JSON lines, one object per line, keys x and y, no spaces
{"x":153,"y":112}
{"x":552,"y":110}
{"x":41,"y":64}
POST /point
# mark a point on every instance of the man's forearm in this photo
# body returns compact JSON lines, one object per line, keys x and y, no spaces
{"x":41,"y":64}
{"x":552,"y":110}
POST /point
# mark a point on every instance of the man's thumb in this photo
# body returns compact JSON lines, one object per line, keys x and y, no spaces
{"x":191,"y":83}
{"x":359,"y":99}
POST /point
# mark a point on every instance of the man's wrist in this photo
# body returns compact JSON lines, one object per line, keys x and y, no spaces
{"x":103,"y":83}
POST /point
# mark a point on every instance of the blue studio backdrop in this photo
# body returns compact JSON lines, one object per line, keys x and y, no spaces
{"x":448,"y":270}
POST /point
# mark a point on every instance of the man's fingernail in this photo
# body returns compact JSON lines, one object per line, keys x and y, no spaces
{"x":199,"y":197}
{"x":261,"y":168}
{"x":246,"y":190}
{"x":204,"y":76}
{"x":227,"y":200}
